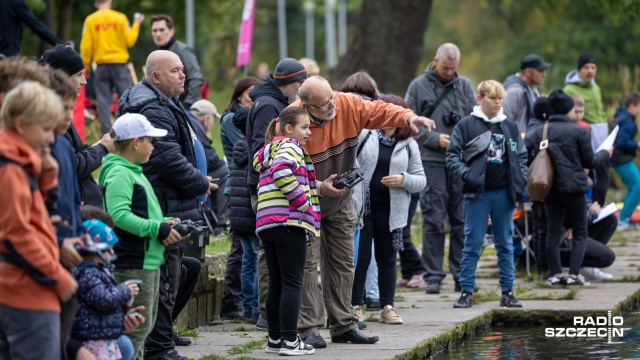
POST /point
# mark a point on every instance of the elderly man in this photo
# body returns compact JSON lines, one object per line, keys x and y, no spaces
{"x":522,"y":92}
{"x":445,"y":96}
{"x":174,"y":172}
{"x":336,"y":120}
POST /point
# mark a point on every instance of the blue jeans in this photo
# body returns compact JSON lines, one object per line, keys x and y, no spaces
{"x":249,"y":273}
{"x":631,"y":179}
{"x":498,"y":204}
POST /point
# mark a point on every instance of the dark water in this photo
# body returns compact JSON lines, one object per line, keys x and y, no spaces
{"x":531,"y":343}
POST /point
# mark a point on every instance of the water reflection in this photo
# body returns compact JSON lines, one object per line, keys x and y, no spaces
{"x":530,"y":343}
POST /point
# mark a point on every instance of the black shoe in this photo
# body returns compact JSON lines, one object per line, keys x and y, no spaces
{"x":232,"y":315}
{"x":433,"y":287}
{"x":465,"y":301}
{"x":262,"y":324}
{"x":172,"y":355}
{"x":180,"y":340}
{"x":362,"y":325}
{"x":354,"y":336}
{"x":509,"y":300}
{"x":315,"y":340}
{"x":373,"y":304}
{"x":253,"y":318}
{"x":273,"y":346}
{"x":247,"y":314}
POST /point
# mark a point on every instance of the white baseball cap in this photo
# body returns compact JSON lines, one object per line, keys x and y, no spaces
{"x":130,"y":126}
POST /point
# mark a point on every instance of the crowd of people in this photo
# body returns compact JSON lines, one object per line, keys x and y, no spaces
{"x":313,"y":178}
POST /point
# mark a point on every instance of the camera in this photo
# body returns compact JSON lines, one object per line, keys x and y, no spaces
{"x":451,"y":118}
{"x":186,"y":226}
{"x":349,"y":179}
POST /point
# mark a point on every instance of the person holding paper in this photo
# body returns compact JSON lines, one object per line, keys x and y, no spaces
{"x":624,"y":154}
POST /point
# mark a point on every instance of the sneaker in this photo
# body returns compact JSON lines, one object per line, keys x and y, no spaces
{"x":273,"y":346}
{"x":359,"y":312}
{"x":465,"y":301}
{"x":388,"y":315}
{"x":553,"y":280}
{"x":595,"y":274}
{"x":232,"y":315}
{"x":253,"y":319}
{"x":262,"y":324}
{"x":433,"y":287}
{"x":402,"y":282}
{"x":172,"y":355}
{"x":626,"y":224}
{"x":579,"y":281}
{"x":509,"y":300}
{"x":416,"y":280}
{"x":296,"y":347}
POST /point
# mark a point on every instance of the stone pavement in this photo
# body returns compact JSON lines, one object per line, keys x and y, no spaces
{"x":430,"y":322}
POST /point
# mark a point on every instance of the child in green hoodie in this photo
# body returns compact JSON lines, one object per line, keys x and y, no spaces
{"x":142,"y":229}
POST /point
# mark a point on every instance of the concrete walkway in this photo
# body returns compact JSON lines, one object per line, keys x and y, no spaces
{"x":430,"y":322}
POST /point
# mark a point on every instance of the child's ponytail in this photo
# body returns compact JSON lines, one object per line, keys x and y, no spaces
{"x":272,"y":131}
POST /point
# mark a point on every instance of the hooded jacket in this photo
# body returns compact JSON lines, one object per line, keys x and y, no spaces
{"x":473,"y":173}
{"x":570,"y":152}
{"x":101,"y":303}
{"x":268,"y":103}
{"x":518,"y":101}
{"x":88,"y":159}
{"x":422,"y":95}
{"x":131,"y":202}
{"x":171,"y":170}
{"x":625,"y":146}
{"x":287,"y":194}
{"x":26,"y":228}
{"x":593,"y":108}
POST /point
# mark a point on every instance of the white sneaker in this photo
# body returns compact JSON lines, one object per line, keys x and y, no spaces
{"x":595,"y":274}
{"x":297,"y":347}
{"x":388,"y":315}
{"x":359,"y":312}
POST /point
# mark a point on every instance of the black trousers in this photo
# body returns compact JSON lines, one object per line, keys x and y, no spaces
{"x":410,"y":261}
{"x":376,"y":228}
{"x":596,"y":253}
{"x":540,"y":235}
{"x":190,"y":270}
{"x":603,"y":178}
{"x":232,"y":293}
{"x":565,"y":211}
{"x":285,"y":248}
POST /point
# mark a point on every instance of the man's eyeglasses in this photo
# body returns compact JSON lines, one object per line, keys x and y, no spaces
{"x":325,"y":107}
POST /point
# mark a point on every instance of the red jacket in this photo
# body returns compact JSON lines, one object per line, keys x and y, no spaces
{"x":25,"y":223}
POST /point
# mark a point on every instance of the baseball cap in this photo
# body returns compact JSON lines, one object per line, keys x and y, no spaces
{"x":534,"y":61}
{"x":100,"y":232}
{"x":130,"y":126}
{"x":202,"y":107}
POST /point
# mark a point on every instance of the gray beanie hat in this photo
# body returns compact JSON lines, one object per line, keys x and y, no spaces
{"x":289,"y":71}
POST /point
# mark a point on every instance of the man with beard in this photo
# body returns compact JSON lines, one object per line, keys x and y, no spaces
{"x":270,"y":96}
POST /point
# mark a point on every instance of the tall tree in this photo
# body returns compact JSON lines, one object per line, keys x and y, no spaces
{"x":387,"y":43}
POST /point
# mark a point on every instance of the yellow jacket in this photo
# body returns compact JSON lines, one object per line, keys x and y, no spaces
{"x":106,"y":36}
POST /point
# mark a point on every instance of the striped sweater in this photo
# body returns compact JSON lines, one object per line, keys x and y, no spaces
{"x":287,"y":192}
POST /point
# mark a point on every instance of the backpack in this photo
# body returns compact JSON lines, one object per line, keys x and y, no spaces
{"x":541,"y":170}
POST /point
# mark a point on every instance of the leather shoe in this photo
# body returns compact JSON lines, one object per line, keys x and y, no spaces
{"x":362,"y":325}
{"x":315,"y":340}
{"x":181,"y":340}
{"x":354,"y":336}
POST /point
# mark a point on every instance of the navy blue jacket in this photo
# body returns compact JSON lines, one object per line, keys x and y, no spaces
{"x":88,"y":159}
{"x":625,"y":146}
{"x":68,"y":206}
{"x":268,"y":103}
{"x":241,"y":216}
{"x":171,"y":170}
{"x":13,"y":14}
{"x":101,"y":303}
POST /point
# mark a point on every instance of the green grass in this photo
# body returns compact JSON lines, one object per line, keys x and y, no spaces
{"x":212,"y":357}
{"x":247,"y":348}
{"x":187,"y":333}
{"x":244,"y":329}
{"x":628,"y":278}
{"x":219,"y":244}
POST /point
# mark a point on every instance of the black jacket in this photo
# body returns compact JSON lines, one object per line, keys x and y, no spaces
{"x":473,"y":174}
{"x":268,"y":102}
{"x":14,"y":13}
{"x":241,"y":215}
{"x":88,"y":159}
{"x":171,"y":170}
{"x":570,"y":152}
{"x":213,"y":161}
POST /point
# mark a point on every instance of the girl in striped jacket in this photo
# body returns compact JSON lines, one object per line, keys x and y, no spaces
{"x":288,"y":209}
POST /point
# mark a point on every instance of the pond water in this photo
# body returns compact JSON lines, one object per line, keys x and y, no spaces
{"x":531,"y":343}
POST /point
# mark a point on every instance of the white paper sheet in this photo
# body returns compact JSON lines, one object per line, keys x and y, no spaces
{"x":598,"y":134}
{"x":608,"y":142}
{"x":606,"y":211}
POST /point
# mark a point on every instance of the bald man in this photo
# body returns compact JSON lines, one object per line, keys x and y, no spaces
{"x":177,"y":171}
{"x":336,"y":120}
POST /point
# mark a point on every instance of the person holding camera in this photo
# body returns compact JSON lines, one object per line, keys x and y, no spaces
{"x":392,"y":169}
{"x":446,"y":97}
{"x":143,"y":230}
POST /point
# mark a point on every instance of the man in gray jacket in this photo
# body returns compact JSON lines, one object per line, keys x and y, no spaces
{"x":444,"y":96}
{"x":521,"y":91}
{"x":162,"y":31}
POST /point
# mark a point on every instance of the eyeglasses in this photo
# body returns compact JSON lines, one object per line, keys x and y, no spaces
{"x":325,"y":107}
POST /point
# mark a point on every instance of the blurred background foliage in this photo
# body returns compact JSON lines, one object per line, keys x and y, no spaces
{"x":493,"y":35}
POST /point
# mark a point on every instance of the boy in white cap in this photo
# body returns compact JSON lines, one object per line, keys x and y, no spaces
{"x":142,"y":229}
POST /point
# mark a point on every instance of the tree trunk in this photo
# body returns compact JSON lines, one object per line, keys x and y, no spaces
{"x":387,"y":43}
{"x":48,"y":18}
{"x":64,"y":21}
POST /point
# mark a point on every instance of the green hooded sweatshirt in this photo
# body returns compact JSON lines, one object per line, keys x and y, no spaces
{"x":590,"y":92}
{"x":130,"y":200}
